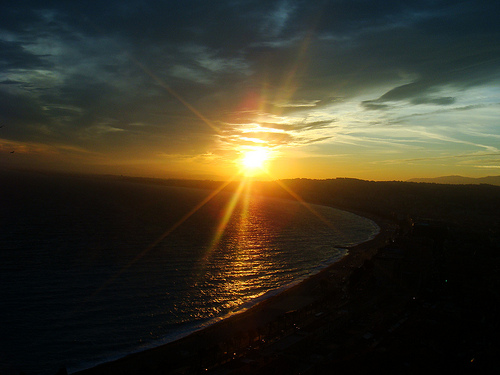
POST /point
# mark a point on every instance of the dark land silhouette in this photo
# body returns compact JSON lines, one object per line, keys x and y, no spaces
{"x":421,"y":296}
{"x":472,"y":206}
{"x":491,"y":180}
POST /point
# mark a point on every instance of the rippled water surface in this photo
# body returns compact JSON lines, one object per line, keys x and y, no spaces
{"x":90,"y":269}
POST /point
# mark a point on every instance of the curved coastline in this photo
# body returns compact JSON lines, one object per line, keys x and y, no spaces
{"x":220,"y":341}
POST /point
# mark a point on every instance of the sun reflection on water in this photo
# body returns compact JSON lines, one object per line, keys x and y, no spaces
{"x":243,"y":243}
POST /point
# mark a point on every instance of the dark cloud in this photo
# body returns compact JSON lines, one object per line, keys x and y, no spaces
{"x":297,"y":125}
{"x":14,"y":56}
{"x":372,"y":105}
{"x":22,"y":118}
{"x":438,"y":101}
{"x":406,"y":91}
{"x":412,"y":41}
{"x":10,"y":82}
{"x":416,"y":93}
{"x":17,"y":110}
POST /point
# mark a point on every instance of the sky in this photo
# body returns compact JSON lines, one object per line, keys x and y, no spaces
{"x":378,"y":90}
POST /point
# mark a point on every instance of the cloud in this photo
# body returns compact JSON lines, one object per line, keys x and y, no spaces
{"x":448,"y":100}
{"x":297,"y":125}
{"x":374,"y":105}
{"x":297,"y":103}
{"x":20,"y":115}
{"x":275,"y":135}
{"x":442,"y":111}
{"x":13,"y":55}
{"x":10,"y":82}
{"x":476,"y":156}
{"x":414,"y":93}
{"x":276,"y":20}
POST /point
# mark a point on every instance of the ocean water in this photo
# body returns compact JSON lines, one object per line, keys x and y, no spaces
{"x":91,"y":270}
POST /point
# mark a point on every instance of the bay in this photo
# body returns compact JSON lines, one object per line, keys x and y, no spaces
{"x":93,"y":269}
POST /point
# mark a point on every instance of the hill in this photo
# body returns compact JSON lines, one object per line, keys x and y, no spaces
{"x":469,"y":205}
{"x":460,"y":180}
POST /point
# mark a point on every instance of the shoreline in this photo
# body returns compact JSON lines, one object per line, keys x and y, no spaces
{"x":255,"y":327}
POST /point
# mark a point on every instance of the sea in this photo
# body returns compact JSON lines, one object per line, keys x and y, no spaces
{"x":94,"y":268}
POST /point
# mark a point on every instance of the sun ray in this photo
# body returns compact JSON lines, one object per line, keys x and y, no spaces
{"x":308,"y":206}
{"x":175,"y":94}
{"x":228,"y":212}
{"x":161,"y":238}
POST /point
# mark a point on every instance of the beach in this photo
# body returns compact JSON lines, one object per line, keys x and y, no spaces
{"x":270,"y":321}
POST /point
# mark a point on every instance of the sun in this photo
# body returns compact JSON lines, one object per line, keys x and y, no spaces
{"x":254,"y":160}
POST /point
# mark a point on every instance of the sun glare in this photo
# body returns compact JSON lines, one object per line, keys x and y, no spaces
{"x":254,"y":160}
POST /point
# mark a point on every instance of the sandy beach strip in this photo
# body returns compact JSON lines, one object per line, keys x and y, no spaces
{"x":268,"y":321}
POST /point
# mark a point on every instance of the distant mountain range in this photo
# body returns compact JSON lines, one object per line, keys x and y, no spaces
{"x":460,"y":180}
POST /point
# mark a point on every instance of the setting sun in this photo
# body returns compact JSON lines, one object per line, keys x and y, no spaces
{"x":254,"y":160}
